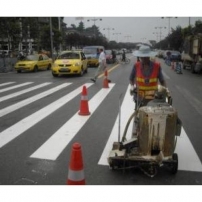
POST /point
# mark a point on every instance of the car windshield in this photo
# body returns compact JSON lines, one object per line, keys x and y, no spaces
{"x":90,"y":50}
{"x":32,"y":57}
{"x":108,"y":52}
{"x":175,"y":52}
{"x":70,"y":55}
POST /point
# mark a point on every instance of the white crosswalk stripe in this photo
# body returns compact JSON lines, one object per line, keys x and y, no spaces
{"x":64,"y":135}
{"x":14,"y":87}
{"x":26,"y":123}
{"x":4,"y":84}
{"x":188,"y":158}
{"x":27,"y":101}
{"x":23,"y":91}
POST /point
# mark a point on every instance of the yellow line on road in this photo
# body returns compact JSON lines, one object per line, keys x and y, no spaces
{"x":109,"y":70}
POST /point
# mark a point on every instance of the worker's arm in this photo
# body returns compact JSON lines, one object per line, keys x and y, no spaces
{"x":132,"y":80}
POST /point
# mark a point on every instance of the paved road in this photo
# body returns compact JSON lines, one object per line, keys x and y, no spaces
{"x":40,"y":122}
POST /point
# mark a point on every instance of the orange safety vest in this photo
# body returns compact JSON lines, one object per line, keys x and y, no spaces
{"x":147,"y":83}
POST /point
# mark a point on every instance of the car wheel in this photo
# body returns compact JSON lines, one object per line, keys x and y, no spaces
{"x":49,"y":67}
{"x":35,"y":69}
{"x":86,"y":70}
{"x":81,"y":72}
{"x":19,"y":71}
{"x":54,"y":75}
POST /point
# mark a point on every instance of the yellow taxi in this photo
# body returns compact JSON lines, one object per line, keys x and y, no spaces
{"x":34,"y":63}
{"x":70,"y":62}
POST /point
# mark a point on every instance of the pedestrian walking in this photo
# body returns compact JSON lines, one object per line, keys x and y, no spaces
{"x":102,"y":65}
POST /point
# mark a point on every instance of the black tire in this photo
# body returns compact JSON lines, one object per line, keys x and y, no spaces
{"x":86,"y":70}
{"x":19,"y":71}
{"x":81,"y":72}
{"x":49,"y":67}
{"x":35,"y":69}
{"x":174,"y":167}
{"x":54,"y":75}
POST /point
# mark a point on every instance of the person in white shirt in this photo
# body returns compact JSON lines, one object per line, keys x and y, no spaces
{"x":102,"y":65}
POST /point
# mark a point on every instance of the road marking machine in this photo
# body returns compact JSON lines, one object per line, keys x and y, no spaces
{"x":153,"y":140}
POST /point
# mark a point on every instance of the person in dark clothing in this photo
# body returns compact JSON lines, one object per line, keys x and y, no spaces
{"x":124,"y":56}
{"x":113,"y":56}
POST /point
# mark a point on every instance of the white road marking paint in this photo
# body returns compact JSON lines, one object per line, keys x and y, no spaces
{"x":14,"y":131}
{"x":165,"y":75}
{"x":23,"y":91}
{"x":7,"y":83}
{"x":127,"y":108}
{"x":187,"y":156}
{"x":27,"y":101}
{"x":52,"y":148}
{"x":14,"y":87}
{"x":188,"y":159}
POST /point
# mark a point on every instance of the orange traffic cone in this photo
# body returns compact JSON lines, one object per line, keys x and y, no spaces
{"x":84,"y":110}
{"x":105,"y":81}
{"x":76,"y":172}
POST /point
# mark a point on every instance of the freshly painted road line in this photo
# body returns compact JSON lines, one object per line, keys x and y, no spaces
{"x":165,"y":75}
{"x":127,"y":108}
{"x":14,"y":87}
{"x":14,"y":131}
{"x":187,"y":156}
{"x":52,"y":148}
{"x":23,"y":91}
{"x":27,"y":101}
{"x":7,"y":83}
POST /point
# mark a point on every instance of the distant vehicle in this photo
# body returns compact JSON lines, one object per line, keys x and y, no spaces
{"x":91,"y":53}
{"x":108,"y":54}
{"x":192,"y":53}
{"x":34,"y":63}
{"x":70,"y":62}
{"x":175,"y":56}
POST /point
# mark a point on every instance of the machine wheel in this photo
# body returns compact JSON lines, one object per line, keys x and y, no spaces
{"x":174,"y":167}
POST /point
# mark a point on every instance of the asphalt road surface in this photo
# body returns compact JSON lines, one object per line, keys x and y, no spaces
{"x":39,"y":123}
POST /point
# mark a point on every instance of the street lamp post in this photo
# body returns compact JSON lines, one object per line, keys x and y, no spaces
{"x":117,"y":36}
{"x":127,"y":37}
{"x":94,"y":20}
{"x":59,"y":27}
{"x":108,"y":28}
{"x":160,"y":31}
{"x":168,"y":23}
{"x":168,"y":28}
{"x":51,"y":37}
{"x":156,"y":35}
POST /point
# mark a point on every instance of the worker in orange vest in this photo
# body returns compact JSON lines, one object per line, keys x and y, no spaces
{"x":144,"y":76}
